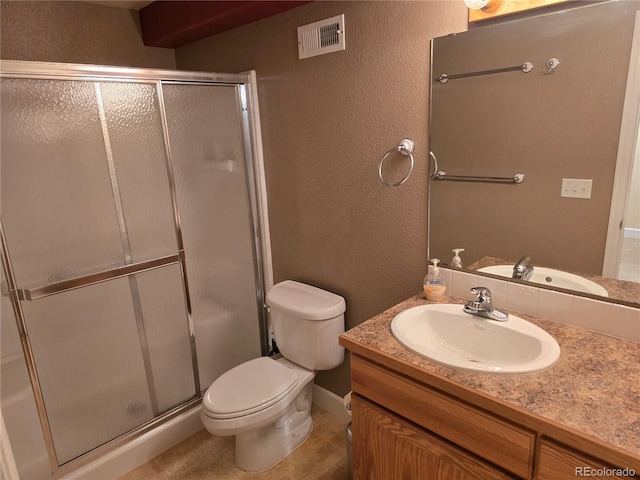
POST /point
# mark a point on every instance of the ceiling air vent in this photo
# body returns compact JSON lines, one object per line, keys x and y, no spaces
{"x":321,"y":37}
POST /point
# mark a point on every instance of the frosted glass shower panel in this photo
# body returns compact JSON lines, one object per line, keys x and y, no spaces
{"x":205,"y":132}
{"x":18,"y":405}
{"x":55,"y":174}
{"x":134,"y":139}
{"x":89,"y":361}
{"x":167,"y":331}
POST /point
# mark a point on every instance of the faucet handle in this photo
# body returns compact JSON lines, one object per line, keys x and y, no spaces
{"x":483,"y":294}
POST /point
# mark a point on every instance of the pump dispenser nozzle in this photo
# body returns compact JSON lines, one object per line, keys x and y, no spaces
{"x":456,"y":261}
{"x":435,"y":262}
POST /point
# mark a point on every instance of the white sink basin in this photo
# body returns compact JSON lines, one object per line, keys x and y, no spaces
{"x":552,"y":277}
{"x":449,"y":336}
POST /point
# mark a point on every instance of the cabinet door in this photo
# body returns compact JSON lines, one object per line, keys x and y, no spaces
{"x":556,"y":462}
{"x":480,"y":433}
{"x":387,"y":447}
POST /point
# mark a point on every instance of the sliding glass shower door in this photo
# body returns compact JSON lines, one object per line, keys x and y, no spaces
{"x":208,"y":156}
{"x":85,"y":193}
{"x":99,"y":232}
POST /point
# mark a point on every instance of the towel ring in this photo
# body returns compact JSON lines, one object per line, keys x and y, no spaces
{"x":405,"y":148}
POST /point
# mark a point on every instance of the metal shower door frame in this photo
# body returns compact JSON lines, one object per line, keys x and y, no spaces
{"x":96,"y":73}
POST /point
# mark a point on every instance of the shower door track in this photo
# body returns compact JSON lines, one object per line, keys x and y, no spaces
{"x":52,"y":71}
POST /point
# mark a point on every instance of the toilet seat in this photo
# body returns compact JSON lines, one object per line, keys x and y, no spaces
{"x":249,"y":388}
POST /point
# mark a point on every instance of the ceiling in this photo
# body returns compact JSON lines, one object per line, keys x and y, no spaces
{"x":172,"y":24}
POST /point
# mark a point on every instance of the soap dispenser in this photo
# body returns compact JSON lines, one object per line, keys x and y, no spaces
{"x":434,"y":286}
{"x":456,"y":261}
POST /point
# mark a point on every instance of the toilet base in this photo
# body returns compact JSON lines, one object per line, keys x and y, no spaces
{"x":260,"y":449}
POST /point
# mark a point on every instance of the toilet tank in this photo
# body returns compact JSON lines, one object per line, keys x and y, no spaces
{"x":307,"y":322}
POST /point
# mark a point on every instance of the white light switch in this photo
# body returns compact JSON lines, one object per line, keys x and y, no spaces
{"x":576,"y":187}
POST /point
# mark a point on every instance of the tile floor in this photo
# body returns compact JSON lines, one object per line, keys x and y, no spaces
{"x":323,"y":456}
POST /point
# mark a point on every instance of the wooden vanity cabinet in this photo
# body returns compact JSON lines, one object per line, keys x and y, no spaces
{"x":407,"y":430}
{"x":472,"y":430}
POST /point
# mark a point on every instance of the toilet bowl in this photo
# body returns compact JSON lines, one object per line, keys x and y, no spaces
{"x":272,"y":412}
{"x":266,"y":403}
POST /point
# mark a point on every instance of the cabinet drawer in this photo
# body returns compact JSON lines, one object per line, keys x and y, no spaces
{"x":557,"y":461}
{"x":488,"y":437}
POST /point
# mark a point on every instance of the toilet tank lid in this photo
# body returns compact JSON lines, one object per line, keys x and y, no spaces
{"x":305,"y":301}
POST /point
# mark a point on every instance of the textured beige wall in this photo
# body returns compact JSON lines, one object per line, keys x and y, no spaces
{"x":76,"y":32}
{"x":326,"y":122}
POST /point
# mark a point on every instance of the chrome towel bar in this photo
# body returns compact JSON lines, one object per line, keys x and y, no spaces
{"x":526,"y":67}
{"x":442,"y":175}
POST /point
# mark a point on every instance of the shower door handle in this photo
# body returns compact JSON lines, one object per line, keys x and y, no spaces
{"x":94,"y":278}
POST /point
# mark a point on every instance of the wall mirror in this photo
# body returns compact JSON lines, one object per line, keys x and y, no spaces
{"x":545,"y":99}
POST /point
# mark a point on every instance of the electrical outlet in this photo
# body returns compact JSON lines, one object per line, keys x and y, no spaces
{"x":576,"y":188}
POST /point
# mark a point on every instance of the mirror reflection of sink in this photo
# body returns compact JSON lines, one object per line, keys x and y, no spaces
{"x":445,"y":334}
{"x":553,"y":278}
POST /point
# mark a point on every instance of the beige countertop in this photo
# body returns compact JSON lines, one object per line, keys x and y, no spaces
{"x":593,"y":389}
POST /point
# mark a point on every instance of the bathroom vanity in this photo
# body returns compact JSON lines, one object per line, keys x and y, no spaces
{"x":415,"y":419}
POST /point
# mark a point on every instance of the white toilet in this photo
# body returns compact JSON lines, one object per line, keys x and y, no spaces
{"x":266,"y":403}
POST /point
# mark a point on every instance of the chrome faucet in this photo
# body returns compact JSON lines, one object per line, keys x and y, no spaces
{"x":482,"y":306}
{"x":522,"y":270}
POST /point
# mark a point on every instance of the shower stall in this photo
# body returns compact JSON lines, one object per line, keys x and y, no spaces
{"x":132,"y":252}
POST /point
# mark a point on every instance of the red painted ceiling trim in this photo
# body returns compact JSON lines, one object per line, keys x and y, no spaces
{"x":175,"y":23}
